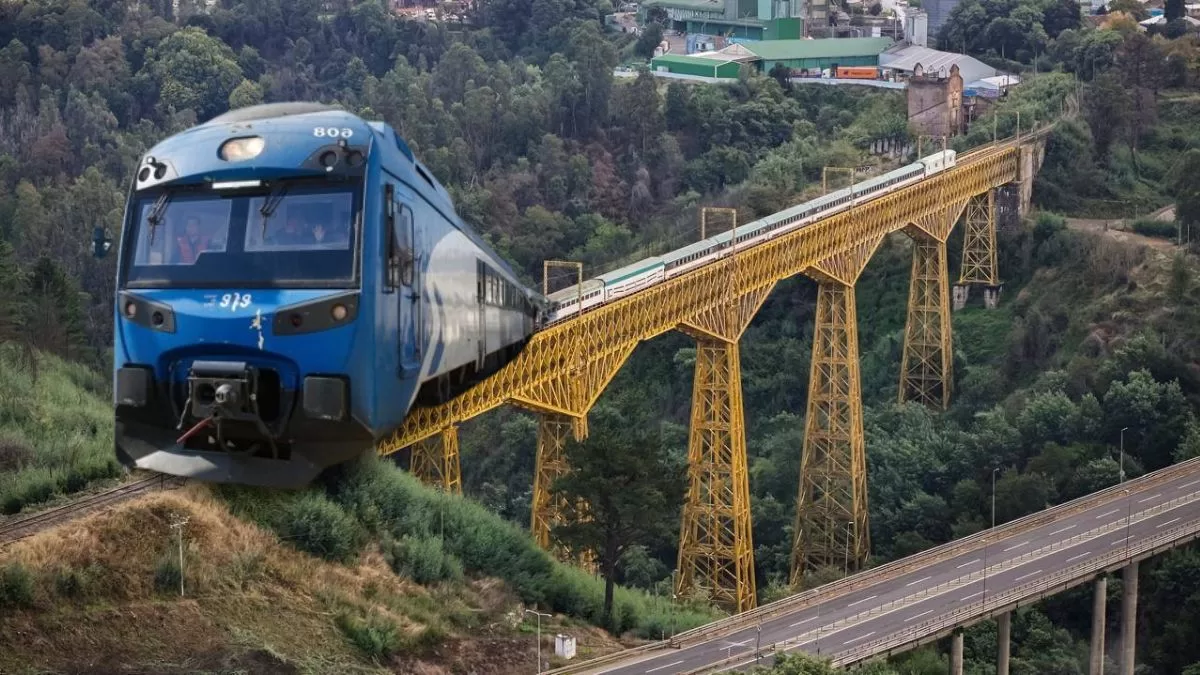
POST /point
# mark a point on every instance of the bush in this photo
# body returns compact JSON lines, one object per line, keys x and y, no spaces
{"x":1164,"y":229}
{"x":376,"y":636}
{"x":423,"y":560}
{"x":16,"y":586}
{"x":167,"y":574}
{"x":315,"y":525}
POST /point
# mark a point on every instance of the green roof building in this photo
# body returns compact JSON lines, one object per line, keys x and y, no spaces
{"x":695,"y":65}
{"x":819,"y":54}
{"x":749,"y":19}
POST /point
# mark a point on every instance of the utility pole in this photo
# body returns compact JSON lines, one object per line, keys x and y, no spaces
{"x":539,"y":636}
{"x":177,"y":525}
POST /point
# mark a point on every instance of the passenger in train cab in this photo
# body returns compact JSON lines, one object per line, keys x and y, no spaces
{"x":330,"y":236}
{"x":291,"y":234}
{"x":192,"y":243}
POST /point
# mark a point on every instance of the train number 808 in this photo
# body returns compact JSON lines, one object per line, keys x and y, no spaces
{"x":332,"y":132}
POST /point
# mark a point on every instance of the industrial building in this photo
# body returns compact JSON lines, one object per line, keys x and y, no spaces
{"x":814,"y":55}
{"x":747,"y":19}
{"x":697,"y":66}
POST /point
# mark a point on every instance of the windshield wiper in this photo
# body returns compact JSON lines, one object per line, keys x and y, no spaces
{"x":270,"y":204}
{"x":156,"y":214}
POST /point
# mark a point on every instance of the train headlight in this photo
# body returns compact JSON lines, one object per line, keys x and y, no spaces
{"x":338,"y":312}
{"x":240,"y":149}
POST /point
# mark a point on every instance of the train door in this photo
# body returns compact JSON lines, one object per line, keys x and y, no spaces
{"x":403,"y":279}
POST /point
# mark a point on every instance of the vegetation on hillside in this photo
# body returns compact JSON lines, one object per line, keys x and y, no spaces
{"x":104,"y":591}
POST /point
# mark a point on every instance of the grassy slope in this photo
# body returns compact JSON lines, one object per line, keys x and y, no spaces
{"x":55,"y":429}
{"x":102,"y":595}
{"x":320,"y":580}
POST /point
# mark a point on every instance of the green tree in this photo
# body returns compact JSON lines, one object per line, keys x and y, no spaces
{"x":53,"y":314}
{"x":247,"y":93}
{"x":649,"y":40}
{"x":12,"y":298}
{"x":1186,"y":189}
{"x":193,"y":71}
{"x":1108,"y":108}
{"x":619,"y":476}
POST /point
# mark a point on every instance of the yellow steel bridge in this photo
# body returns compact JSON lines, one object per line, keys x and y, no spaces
{"x":563,"y":370}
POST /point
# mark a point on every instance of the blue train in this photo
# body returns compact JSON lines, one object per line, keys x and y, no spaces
{"x":291,"y":282}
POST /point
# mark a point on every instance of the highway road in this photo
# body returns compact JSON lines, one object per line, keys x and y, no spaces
{"x":920,"y":595}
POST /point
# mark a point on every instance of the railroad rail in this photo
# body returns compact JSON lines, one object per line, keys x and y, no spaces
{"x":16,"y":529}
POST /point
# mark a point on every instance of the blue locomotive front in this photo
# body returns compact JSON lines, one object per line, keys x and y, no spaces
{"x":273,"y":312}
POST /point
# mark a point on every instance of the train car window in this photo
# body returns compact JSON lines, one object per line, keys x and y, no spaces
{"x":399,"y":269}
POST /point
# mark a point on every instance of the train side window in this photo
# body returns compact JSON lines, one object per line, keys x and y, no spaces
{"x":398,"y":226}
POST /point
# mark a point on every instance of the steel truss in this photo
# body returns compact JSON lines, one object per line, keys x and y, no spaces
{"x":564,"y":368}
{"x":831,"y":509}
{"x":435,"y":461}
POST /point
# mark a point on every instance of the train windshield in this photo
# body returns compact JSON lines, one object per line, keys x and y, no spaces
{"x":292,"y":235}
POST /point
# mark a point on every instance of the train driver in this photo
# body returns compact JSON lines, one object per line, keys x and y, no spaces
{"x":192,"y":243}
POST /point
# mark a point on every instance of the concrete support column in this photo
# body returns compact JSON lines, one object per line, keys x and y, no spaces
{"x":960,"y":296}
{"x":1003,"y":641}
{"x":956,"y":654}
{"x":1099,"y":598}
{"x":991,"y":297}
{"x":1129,"y":583}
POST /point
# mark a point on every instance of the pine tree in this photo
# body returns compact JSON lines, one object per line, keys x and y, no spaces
{"x":12,"y":295}
{"x":53,"y":317}
{"x":619,"y":475}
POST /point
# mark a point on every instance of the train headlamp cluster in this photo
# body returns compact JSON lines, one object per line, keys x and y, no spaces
{"x":317,"y":315}
{"x":241,"y":149}
{"x":153,"y":166}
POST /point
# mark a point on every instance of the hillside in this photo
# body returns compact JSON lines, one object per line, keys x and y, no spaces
{"x":102,"y":593}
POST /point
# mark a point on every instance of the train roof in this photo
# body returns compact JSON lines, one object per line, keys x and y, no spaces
{"x":571,"y":292}
{"x":691,"y":249}
{"x":630,"y":270}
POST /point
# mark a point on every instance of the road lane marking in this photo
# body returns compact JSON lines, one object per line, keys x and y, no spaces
{"x":860,"y":637}
{"x":1016,"y":546}
{"x":1169,"y":522}
{"x":802,"y":621}
{"x":856,"y":602}
{"x":1062,"y":530}
{"x":1142,"y":501}
{"x":666,"y":666}
{"x":970,"y":596}
{"x":913,"y":618}
{"x":1189,"y":484}
{"x":1107,"y":514}
{"x":918,"y":581}
{"x":1077,"y":557}
{"x":1026,"y":576}
{"x":968,"y":563}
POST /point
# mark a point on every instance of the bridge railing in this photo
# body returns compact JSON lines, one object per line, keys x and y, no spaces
{"x":1058,"y":580}
{"x":951,"y":549}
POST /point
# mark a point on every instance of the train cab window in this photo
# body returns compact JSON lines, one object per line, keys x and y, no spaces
{"x":193,"y":227}
{"x":398,"y":229}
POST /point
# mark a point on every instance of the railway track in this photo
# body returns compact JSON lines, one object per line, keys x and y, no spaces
{"x":19,"y":528}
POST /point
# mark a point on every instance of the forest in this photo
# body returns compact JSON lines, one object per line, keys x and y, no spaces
{"x":551,"y":157}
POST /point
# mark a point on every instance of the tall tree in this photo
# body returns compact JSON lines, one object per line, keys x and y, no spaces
{"x":622,"y":491}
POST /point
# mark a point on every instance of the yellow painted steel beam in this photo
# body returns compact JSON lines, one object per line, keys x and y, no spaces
{"x":926,"y":365}
{"x":979,"y":258}
{"x":435,"y":461}
{"x":610,"y":331}
{"x":831,"y":509}
{"x":716,"y":548}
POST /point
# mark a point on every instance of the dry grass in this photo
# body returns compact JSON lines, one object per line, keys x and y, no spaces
{"x":252,"y":603}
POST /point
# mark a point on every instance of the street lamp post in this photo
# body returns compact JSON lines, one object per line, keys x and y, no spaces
{"x":539,"y":636}
{"x":1123,"y":429}
{"x":985,"y":539}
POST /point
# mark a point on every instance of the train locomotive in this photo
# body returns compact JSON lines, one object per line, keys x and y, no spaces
{"x":291,"y":282}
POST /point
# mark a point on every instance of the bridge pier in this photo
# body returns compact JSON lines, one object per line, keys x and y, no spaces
{"x":1129,"y":590}
{"x":925,"y":369}
{"x":956,"y":653}
{"x":1099,"y":600}
{"x":979,"y":257}
{"x":716,"y":549}
{"x":435,"y":461}
{"x":1003,"y":642}
{"x":831,"y":507}
{"x":551,"y":463}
